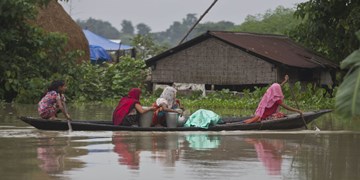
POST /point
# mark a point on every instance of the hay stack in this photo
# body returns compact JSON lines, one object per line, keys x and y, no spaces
{"x":53,"y":18}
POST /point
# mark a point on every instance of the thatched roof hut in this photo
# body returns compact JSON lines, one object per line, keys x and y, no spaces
{"x":53,"y":18}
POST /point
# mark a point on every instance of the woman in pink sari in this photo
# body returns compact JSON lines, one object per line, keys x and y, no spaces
{"x":270,"y":104}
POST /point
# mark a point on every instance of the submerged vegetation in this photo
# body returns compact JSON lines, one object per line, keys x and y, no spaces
{"x":230,"y":103}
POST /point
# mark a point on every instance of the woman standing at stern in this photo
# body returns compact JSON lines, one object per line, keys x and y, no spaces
{"x":270,"y":104}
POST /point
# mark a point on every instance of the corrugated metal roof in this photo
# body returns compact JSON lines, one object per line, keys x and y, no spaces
{"x":276,"y":48}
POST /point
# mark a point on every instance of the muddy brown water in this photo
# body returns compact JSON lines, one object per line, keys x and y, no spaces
{"x":28,"y":153}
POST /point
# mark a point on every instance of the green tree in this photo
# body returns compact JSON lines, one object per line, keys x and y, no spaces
{"x":106,"y":81}
{"x":215,"y":26}
{"x":100,"y":27}
{"x":212,"y":26}
{"x":143,"y":29}
{"x":190,"y":20}
{"x":127,"y":27}
{"x":176,"y":31}
{"x":279,"y":21}
{"x":146,"y":47}
{"x":329,"y":27}
{"x":26,"y":51}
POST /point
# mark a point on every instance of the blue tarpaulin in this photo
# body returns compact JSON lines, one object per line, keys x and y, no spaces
{"x":108,"y":45}
{"x":97,"y":53}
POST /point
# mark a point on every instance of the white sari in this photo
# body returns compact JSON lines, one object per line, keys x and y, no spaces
{"x":167,"y":97}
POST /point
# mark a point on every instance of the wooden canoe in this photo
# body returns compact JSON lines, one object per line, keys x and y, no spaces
{"x":291,"y":121}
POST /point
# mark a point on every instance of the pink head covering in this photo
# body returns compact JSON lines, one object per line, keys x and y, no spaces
{"x":273,"y":94}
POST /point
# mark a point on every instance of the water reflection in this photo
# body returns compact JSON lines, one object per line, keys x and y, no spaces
{"x":138,"y":155}
{"x":27,"y":153}
{"x":276,"y":156}
{"x":203,"y":141}
{"x":164,"y":148}
{"x":128,"y":154}
{"x":269,"y":152}
{"x":52,"y":160}
{"x":55,"y":154}
{"x":273,"y":154}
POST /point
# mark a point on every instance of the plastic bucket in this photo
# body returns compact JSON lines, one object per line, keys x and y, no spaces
{"x":171,"y":119}
{"x":146,"y":118}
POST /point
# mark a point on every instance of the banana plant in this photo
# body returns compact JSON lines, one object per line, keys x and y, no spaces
{"x":348,"y":95}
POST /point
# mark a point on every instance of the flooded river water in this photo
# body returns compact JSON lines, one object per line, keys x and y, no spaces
{"x":28,"y":153}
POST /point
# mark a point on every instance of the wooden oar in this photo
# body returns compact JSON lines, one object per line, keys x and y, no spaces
{"x":68,"y":120}
{"x":297,"y":105}
{"x":69,"y":124}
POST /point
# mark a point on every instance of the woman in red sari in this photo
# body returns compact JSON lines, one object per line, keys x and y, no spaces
{"x":270,"y":104}
{"x":127,"y":112}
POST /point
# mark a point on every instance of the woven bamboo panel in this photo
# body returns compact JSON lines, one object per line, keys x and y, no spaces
{"x":213,"y":62}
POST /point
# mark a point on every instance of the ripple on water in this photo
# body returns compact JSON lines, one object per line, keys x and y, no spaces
{"x":26,"y":132}
{"x":21,"y":132}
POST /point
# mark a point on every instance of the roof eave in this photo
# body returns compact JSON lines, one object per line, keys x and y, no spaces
{"x":152,"y":61}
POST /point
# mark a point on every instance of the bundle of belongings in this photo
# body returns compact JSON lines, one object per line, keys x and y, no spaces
{"x":203,"y":118}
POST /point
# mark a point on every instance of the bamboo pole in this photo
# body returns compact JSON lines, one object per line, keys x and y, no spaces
{"x":297,"y":105}
{"x":197,"y":22}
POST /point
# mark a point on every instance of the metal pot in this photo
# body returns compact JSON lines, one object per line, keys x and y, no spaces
{"x":181,"y":121}
{"x":171,"y":119}
{"x":146,"y":118}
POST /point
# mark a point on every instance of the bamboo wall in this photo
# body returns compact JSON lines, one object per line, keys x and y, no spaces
{"x":213,"y":62}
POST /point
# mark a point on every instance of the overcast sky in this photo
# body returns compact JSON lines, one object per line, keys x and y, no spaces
{"x":160,"y":14}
